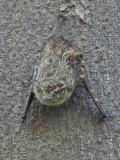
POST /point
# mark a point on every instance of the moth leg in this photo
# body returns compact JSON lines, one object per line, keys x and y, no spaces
{"x":86,"y":86}
{"x":31,"y":95}
{"x":30,"y":99}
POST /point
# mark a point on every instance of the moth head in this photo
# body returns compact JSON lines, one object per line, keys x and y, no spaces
{"x":51,"y":92}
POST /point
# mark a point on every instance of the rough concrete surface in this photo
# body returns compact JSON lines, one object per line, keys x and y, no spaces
{"x":74,"y":130}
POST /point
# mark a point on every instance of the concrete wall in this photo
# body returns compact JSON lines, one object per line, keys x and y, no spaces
{"x":72,"y":131}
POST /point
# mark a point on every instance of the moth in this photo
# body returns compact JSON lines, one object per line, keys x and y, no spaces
{"x":61,"y":68}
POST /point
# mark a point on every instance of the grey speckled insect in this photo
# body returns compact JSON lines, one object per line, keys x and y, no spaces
{"x":58,"y":73}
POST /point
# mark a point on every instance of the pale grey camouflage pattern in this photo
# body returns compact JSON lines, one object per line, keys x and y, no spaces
{"x":55,"y":76}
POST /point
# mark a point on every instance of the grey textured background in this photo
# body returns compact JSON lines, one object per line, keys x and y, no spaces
{"x":72,"y":131}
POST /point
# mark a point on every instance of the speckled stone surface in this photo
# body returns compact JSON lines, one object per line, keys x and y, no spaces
{"x":72,"y":131}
